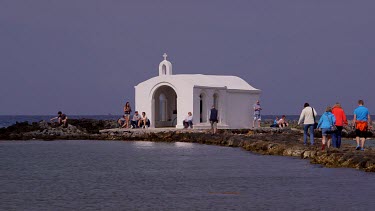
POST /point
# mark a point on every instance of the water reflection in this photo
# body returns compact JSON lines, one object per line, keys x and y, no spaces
{"x":184,"y":145}
{"x":143,"y":144}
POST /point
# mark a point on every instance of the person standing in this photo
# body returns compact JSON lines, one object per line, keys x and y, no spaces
{"x":362,"y":121}
{"x":127,"y":111}
{"x":308,"y":115}
{"x":214,"y":119}
{"x":325,"y":124}
{"x":257,"y":117}
{"x":341,"y":121}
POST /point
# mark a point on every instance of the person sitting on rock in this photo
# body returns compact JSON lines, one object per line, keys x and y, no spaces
{"x":135,"y":120}
{"x":122,"y":121}
{"x":282,"y":122}
{"x":144,"y":122}
{"x":275,"y":122}
{"x":62,"y":119}
{"x":188,"y":121}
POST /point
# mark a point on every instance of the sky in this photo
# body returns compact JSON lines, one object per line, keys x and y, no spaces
{"x":85,"y":56}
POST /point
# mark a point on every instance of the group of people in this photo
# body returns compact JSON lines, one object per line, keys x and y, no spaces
{"x":281,"y":123}
{"x":332,"y":122}
{"x":137,"y":121}
{"x":278,"y":122}
{"x":188,"y":121}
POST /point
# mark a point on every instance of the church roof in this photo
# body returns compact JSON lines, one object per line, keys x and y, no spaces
{"x":193,"y":80}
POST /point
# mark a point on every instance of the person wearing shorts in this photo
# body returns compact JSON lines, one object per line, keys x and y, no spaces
{"x":257,"y":116}
{"x":127,"y":111}
{"x":214,"y":119}
{"x":362,"y":121}
{"x":327,"y":120}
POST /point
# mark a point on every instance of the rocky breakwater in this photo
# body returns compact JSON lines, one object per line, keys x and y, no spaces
{"x":76,"y":129}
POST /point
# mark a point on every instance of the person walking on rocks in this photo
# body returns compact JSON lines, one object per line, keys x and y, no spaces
{"x":257,"y":116}
{"x":362,"y":121}
{"x":214,"y":119}
{"x":127,"y":111}
{"x":341,"y":121}
{"x":327,"y":120}
{"x":308,"y":115}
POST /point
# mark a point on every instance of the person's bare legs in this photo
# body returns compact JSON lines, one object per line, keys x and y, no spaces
{"x":254,"y":123}
{"x":127,"y":121}
{"x":324,"y":142}
{"x":363,"y":140}
{"x":328,"y":141}
{"x":259,"y":123}
{"x":357,"y":140}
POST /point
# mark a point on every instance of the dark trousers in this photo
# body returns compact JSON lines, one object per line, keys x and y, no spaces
{"x":134,"y":123}
{"x":274,"y":125}
{"x":188,"y":124}
{"x":336,"y":137}
{"x":147,"y":123}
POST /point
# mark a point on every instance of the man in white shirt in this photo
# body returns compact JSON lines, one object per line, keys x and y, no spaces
{"x":257,"y":116}
{"x":135,"y":120}
{"x":308,"y":116}
{"x":188,"y":121}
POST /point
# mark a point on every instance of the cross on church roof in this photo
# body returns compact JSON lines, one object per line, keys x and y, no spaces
{"x":165,"y":56}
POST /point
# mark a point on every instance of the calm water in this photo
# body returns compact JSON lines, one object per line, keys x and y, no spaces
{"x":107,"y":175}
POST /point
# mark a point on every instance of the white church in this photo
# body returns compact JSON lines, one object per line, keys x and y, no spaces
{"x":168,"y":98}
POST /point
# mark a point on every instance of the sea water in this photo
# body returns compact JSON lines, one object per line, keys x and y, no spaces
{"x":119,"y":175}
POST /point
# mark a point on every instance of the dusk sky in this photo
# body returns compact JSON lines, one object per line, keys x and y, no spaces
{"x":86,"y":56}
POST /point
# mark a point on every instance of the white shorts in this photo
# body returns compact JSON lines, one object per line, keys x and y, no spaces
{"x":257,"y":117}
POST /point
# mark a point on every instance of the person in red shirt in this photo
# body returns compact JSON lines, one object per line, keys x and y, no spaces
{"x":341,"y":121}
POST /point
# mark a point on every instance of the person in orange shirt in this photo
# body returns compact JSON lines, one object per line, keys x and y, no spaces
{"x":341,"y":121}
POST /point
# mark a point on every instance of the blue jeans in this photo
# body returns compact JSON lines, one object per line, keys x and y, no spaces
{"x":305,"y":133}
{"x":188,"y":124}
{"x":134,"y":123}
{"x":336,"y":137}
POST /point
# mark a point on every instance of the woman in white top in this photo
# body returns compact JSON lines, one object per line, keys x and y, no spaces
{"x":308,"y":116}
{"x":143,"y":121}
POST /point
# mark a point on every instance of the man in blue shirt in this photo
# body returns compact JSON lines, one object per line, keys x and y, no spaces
{"x":362,"y":121}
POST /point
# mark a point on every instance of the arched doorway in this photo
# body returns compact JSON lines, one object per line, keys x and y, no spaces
{"x":164,"y":107}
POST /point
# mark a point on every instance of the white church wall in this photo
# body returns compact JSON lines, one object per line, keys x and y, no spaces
{"x":240,"y":109}
{"x":234,"y":97}
{"x":208,"y":101}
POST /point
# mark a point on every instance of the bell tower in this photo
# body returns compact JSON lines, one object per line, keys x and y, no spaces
{"x":165,"y":67}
